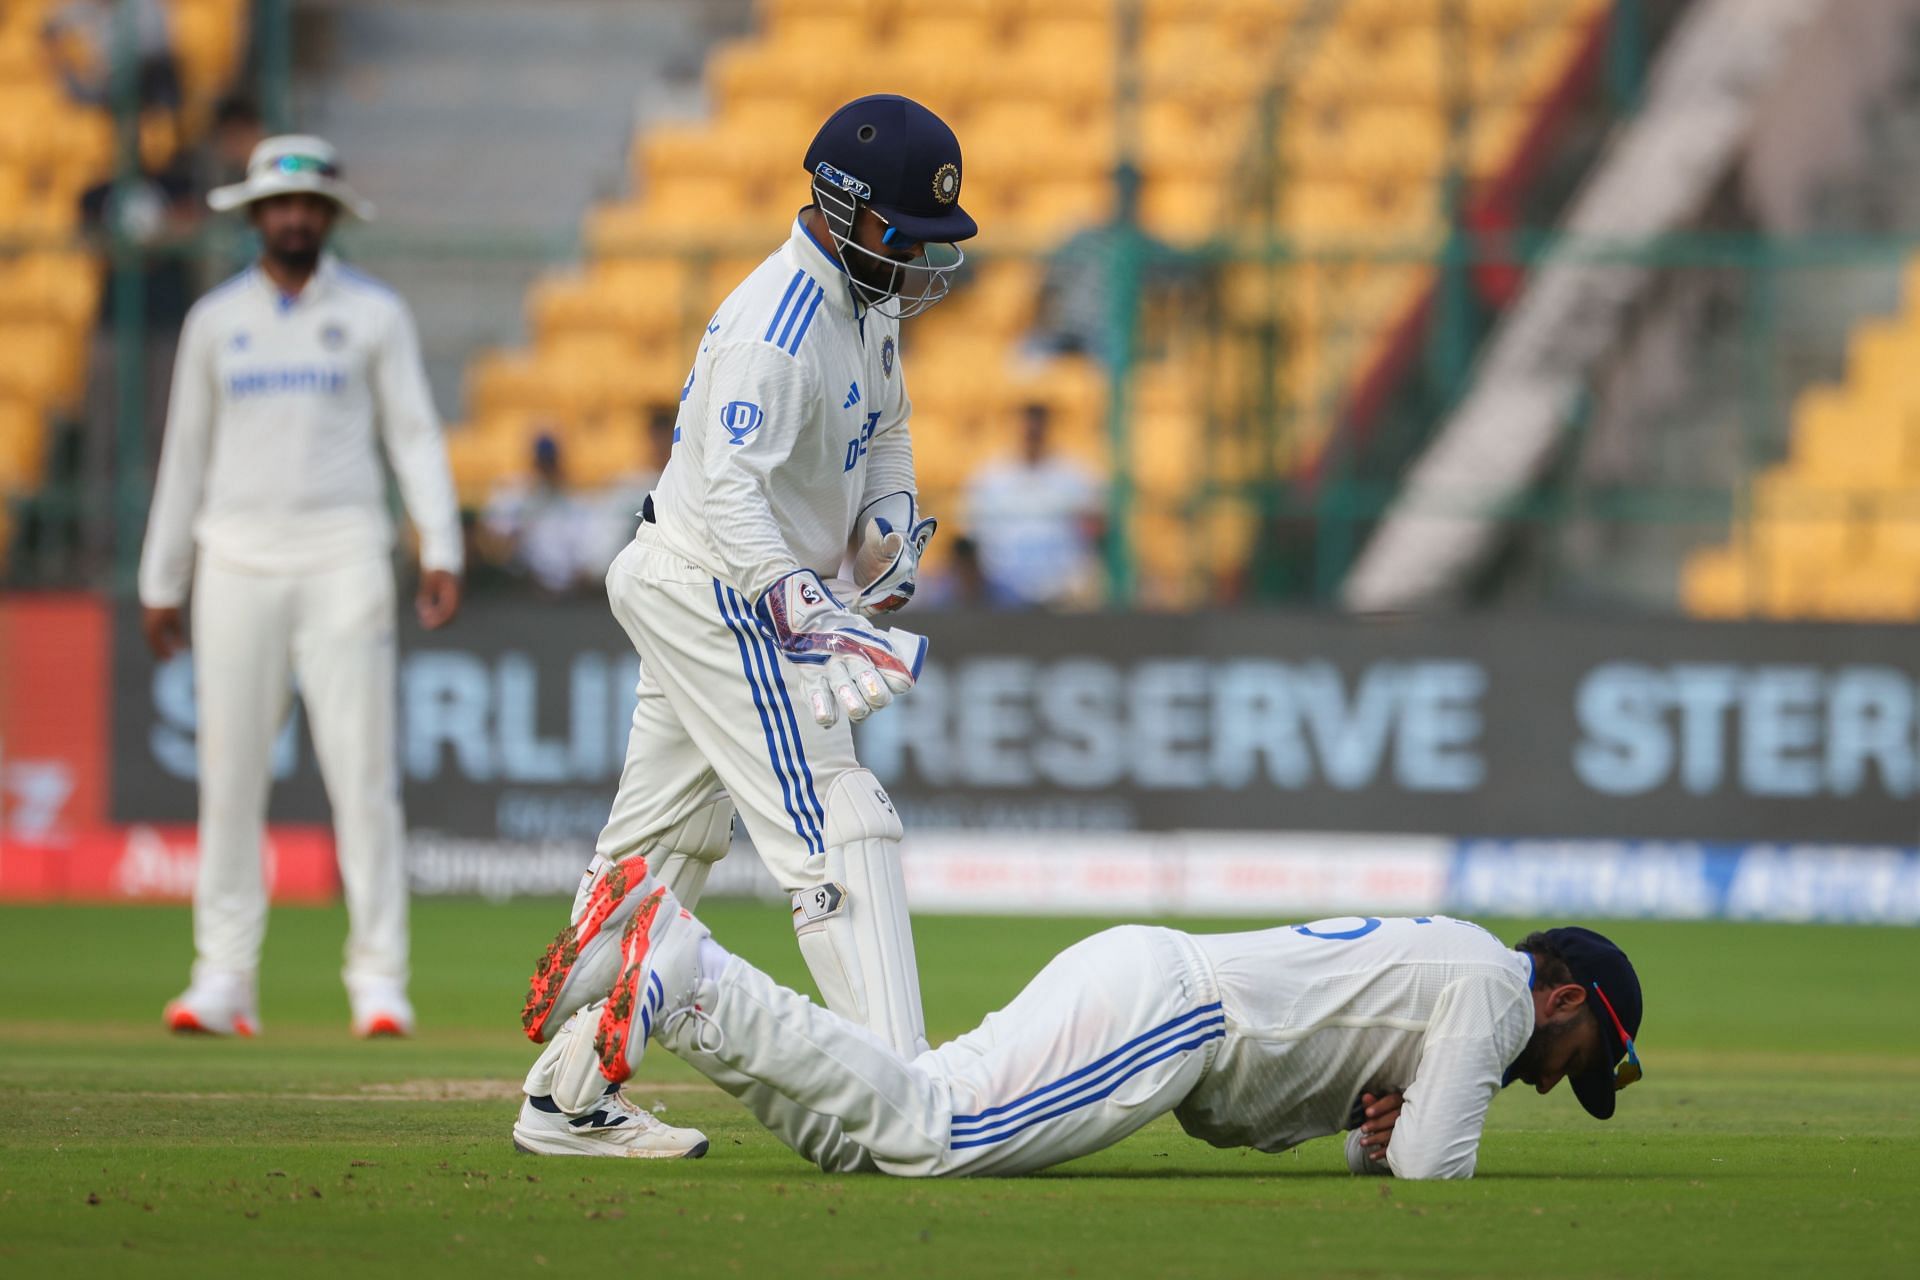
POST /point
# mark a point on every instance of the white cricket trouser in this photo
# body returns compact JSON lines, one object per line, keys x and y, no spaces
{"x":715,"y":713}
{"x":1116,"y":1031}
{"x":254,"y":634}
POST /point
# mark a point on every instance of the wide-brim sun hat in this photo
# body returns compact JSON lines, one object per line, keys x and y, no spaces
{"x":291,"y":164}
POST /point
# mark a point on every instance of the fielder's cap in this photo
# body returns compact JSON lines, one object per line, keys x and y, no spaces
{"x":290,"y":163}
{"x":895,"y":155}
{"x":1596,"y":963}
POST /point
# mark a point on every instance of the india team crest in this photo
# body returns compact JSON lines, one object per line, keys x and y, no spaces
{"x":946,"y":183}
{"x":886,"y":357}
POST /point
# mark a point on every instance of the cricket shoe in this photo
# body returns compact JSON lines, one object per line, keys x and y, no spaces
{"x":215,"y":1004}
{"x":655,"y":986}
{"x":380,"y":1008}
{"x":639,"y":992}
{"x":579,"y":965}
{"x":614,"y":1127}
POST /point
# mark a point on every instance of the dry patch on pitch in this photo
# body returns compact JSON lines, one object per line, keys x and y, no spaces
{"x":421,"y":1090}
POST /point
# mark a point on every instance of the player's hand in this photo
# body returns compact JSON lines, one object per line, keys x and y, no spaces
{"x":165,"y":629}
{"x":887,"y":562}
{"x":851,"y":667}
{"x":438,"y":599}
{"x":1381,"y":1111}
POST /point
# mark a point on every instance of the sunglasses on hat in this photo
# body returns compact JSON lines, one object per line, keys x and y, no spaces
{"x":307,"y":164}
{"x":1627,"y":1070}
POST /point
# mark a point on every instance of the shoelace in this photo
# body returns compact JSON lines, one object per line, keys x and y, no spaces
{"x":704,"y":1020}
{"x":617,"y":1100}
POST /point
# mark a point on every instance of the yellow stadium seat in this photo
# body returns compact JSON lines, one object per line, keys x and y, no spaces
{"x":1869,"y":591}
{"x":1716,"y":582}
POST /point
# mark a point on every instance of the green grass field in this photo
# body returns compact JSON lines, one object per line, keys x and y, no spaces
{"x":1777,"y":1130}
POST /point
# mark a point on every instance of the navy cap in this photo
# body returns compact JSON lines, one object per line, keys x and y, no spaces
{"x":1595,"y":961}
{"x":895,"y":155}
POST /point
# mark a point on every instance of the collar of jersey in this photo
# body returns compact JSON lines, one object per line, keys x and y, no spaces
{"x":812,"y":257}
{"x":1507,"y":1076}
{"x":324,"y":277}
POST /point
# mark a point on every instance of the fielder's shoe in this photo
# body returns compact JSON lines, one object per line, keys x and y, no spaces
{"x":580,"y":963}
{"x":380,"y":1008}
{"x":215,"y":1004}
{"x":659,"y":964}
{"x":615,"y":1127}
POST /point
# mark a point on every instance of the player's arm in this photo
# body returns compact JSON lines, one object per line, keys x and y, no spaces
{"x":758,"y":404}
{"x":1475,"y":1031}
{"x":410,"y":429}
{"x":890,"y":533}
{"x":166,"y":559}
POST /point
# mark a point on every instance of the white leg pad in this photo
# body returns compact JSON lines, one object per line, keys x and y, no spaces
{"x":853,"y":930}
{"x":682,"y":859}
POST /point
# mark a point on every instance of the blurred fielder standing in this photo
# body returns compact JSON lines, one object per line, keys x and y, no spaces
{"x":791,"y":445}
{"x":271,"y":501}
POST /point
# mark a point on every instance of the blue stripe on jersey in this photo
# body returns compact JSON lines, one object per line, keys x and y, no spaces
{"x":808,"y":291}
{"x":1192,"y":1020}
{"x":811,"y":799}
{"x":761,"y":704}
{"x":780,"y":313}
{"x":788,"y":726}
{"x":793,"y":348}
{"x":1211,"y":1030}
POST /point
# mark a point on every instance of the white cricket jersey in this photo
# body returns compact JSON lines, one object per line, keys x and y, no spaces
{"x":793,"y":420}
{"x":269,"y":461}
{"x":1319,"y":1014}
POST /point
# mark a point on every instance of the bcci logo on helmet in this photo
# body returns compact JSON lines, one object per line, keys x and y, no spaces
{"x":946,"y":183}
{"x":741,"y":418}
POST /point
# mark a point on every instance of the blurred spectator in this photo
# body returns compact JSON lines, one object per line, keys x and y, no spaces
{"x":961,"y":584}
{"x":1038,"y":520}
{"x":621,"y":500}
{"x":1076,"y":304}
{"x":83,"y":41}
{"x":237,"y":129}
{"x":540,"y":530}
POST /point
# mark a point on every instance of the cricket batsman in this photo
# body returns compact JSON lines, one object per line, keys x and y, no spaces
{"x":1398,"y":1031}
{"x":271,"y":503}
{"x":791,"y":448}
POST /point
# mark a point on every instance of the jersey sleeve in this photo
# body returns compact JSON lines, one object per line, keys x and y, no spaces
{"x":890,"y":455}
{"x":166,"y":560}
{"x":758,"y":404}
{"x":410,"y":428}
{"x":1478,"y":1026}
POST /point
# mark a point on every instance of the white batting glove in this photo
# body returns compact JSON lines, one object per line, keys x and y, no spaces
{"x":888,"y":557}
{"x":854,"y":668}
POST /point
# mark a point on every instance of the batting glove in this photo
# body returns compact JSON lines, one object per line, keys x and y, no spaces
{"x":889,"y":554}
{"x":853,"y":667}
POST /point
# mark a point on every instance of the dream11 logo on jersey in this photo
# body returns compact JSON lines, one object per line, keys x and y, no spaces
{"x":741,"y":418}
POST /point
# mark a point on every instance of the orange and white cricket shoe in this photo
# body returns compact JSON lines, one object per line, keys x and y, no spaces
{"x":638,"y":995}
{"x":579,"y":965}
{"x":215,"y":1004}
{"x":381,"y":1009}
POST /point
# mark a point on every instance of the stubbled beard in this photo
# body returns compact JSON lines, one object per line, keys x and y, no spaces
{"x":1526,"y":1067}
{"x":302,"y":260}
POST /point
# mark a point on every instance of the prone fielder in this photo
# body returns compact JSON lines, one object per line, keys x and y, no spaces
{"x":790,"y":447}
{"x":1398,"y":1031}
{"x":270,"y":502}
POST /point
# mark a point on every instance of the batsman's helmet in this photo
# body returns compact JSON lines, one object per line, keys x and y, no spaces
{"x":890,"y":154}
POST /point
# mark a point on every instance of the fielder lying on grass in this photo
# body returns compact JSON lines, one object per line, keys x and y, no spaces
{"x":1399,"y":1031}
